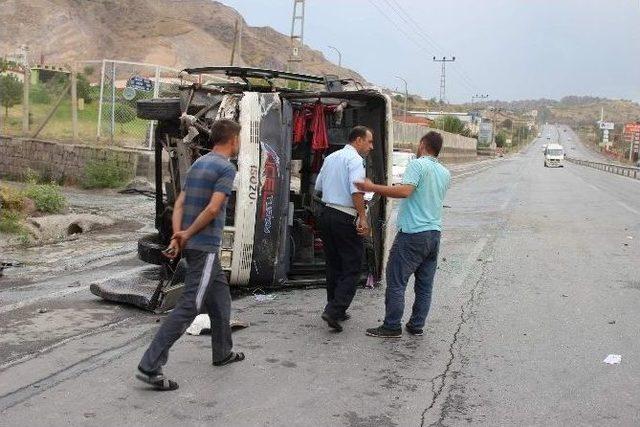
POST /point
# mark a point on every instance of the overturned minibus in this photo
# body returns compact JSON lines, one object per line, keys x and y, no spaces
{"x":290,"y":122}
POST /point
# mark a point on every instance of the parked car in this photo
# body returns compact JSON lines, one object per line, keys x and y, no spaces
{"x":400,"y":161}
{"x":270,"y":238}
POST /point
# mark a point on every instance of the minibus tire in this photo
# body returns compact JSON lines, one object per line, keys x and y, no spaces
{"x":158,"y":108}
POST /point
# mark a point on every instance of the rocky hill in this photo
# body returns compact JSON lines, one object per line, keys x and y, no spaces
{"x":575,"y":110}
{"x":174,"y":33}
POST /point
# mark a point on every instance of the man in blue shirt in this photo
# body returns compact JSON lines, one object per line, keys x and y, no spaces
{"x":415,"y":248}
{"x":198,"y":220}
{"x":343,"y":222}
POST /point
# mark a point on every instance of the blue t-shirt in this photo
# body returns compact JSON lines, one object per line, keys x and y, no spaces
{"x":422,"y":210}
{"x":211,"y":173}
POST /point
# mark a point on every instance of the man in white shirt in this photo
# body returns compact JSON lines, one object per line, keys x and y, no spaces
{"x":343,"y":222}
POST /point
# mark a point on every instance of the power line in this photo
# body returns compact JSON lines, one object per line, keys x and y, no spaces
{"x":429,"y":39}
{"x":410,"y":38}
{"x":401,"y":12}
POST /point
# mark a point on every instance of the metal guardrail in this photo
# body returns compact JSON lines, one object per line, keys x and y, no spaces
{"x":628,"y":171}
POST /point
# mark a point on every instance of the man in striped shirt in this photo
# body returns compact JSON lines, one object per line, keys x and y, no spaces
{"x":198,"y":220}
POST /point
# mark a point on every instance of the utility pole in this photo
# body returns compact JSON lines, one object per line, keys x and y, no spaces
{"x":406,"y":96}
{"x":443,"y":75}
{"x":493,"y":136}
{"x":297,"y":36}
{"x":339,"y":55}
{"x":74,"y":102}
{"x":236,"y":31}
{"x":26,"y":81}
{"x":476,"y":96}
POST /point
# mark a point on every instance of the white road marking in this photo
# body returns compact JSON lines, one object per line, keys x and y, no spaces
{"x":629,"y":208}
{"x":471,"y":259}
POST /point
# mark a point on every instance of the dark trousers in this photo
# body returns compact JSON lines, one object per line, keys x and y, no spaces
{"x":343,"y":249}
{"x":205,"y":286}
{"x":417,"y":254}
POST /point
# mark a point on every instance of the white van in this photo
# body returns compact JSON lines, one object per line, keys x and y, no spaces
{"x":400,"y":161}
{"x":554,"y":156}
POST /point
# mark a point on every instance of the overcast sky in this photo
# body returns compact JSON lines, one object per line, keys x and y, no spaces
{"x":509,"y":49}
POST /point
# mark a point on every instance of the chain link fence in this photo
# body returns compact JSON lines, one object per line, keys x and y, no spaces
{"x":122,"y":84}
{"x":39,"y":101}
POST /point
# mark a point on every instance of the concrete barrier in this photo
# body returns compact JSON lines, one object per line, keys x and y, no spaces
{"x":455,"y":148}
{"x":65,"y":163}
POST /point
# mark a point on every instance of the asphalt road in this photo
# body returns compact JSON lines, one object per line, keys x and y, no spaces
{"x":538,"y":282}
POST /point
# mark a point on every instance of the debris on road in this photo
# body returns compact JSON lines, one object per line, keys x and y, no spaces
{"x":613,"y":359}
{"x":141,"y":186}
{"x":201,"y":325}
{"x":4,"y":265}
{"x":261,"y":297}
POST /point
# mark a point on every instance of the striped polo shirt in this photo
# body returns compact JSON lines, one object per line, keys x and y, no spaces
{"x":211,"y":173}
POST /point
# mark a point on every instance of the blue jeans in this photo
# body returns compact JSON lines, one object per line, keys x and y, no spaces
{"x":417,"y":254}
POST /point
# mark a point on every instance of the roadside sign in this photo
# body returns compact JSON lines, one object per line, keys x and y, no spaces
{"x":632,"y":128}
{"x":140,"y":83}
{"x":129,"y":93}
{"x":607,"y":126}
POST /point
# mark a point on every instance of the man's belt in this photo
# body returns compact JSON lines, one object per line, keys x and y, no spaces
{"x":346,"y":209}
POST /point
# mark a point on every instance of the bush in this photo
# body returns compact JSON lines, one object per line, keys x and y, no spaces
{"x":47,"y":197}
{"x":108,"y":173}
{"x":10,"y":222}
{"x":452,"y":124}
{"x":10,"y":199}
{"x":84,"y":89}
{"x":30,"y":176}
{"x":501,"y":140}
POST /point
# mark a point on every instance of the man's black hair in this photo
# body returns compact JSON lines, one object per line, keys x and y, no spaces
{"x":359,"y":132}
{"x":223,"y":130}
{"x":433,"y":142}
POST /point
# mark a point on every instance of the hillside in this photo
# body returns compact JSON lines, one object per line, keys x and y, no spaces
{"x":575,"y":110}
{"x":166,"y":32}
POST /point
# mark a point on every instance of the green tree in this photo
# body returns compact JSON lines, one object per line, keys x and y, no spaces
{"x":501,"y":140}
{"x":84,"y":89}
{"x":452,"y":124}
{"x":10,"y":92}
{"x":506,"y":123}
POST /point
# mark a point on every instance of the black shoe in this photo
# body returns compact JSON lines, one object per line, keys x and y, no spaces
{"x":333,"y":323}
{"x":345,"y":316}
{"x":382,"y":332}
{"x":414,"y":331}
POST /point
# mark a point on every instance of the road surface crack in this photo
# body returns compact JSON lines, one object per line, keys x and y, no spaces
{"x":439,"y":382}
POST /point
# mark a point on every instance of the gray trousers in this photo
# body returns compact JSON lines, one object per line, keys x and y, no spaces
{"x":205,"y":287}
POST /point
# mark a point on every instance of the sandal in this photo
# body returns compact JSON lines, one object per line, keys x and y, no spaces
{"x":158,"y":381}
{"x":232,"y":357}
